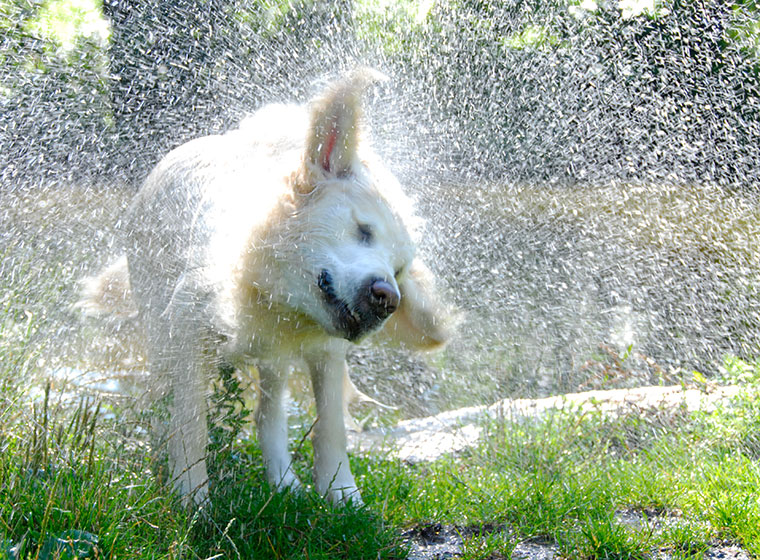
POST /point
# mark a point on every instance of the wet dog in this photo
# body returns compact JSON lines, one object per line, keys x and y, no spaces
{"x":276,"y":244}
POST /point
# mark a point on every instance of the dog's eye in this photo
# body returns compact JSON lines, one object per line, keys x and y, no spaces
{"x":365,"y":233}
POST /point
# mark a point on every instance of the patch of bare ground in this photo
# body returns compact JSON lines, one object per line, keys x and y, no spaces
{"x":436,"y":541}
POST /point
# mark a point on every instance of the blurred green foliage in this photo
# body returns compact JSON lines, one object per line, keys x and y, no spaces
{"x":88,"y":73}
{"x":65,"y":23}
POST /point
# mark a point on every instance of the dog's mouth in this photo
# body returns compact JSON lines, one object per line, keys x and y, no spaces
{"x":344,"y":319}
{"x":348,"y":320}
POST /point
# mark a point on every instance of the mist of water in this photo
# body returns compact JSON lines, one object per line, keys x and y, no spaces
{"x":588,"y":171}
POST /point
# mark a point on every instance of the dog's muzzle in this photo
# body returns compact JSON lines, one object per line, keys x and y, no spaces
{"x":374,"y":302}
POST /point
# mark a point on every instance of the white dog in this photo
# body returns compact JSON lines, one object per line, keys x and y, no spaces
{"x":278,"y":243}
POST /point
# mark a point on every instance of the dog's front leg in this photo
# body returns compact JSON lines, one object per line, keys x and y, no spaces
{"x":332,"y":473}
{"x":272,"y":426}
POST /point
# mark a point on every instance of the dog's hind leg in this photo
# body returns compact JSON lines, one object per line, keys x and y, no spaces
{"x":179,"y":362}
{"x":272,"y":425}
{"x":332,"y":473}
{"x":188,"y":430}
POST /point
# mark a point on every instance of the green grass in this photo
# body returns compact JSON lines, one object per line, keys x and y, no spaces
{"x":691,"y":478}
{"x":80,"y":478}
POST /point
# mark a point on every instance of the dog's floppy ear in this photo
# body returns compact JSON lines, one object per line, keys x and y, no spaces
{"x":422,"y":321}
{"x":331,"y":145}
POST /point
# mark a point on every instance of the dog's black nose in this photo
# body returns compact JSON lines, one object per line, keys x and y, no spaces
{"x":383,"y":298}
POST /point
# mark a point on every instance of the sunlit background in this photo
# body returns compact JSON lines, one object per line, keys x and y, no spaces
{"x":588,"y":171}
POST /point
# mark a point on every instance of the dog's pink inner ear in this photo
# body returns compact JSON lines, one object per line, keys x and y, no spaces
{"x":334,"y":133}
{"x":333,"y":137}
{"x":329,"y":146}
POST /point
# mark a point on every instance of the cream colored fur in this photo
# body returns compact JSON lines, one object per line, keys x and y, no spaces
{"x":257,"y":247}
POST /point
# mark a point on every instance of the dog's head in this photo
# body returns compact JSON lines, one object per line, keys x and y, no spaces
{"x":344,"y":256}
{"x":351,"y":223}
{"x":358,"y":260}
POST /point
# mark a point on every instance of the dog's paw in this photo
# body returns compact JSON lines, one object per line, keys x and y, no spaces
{"x":196,"y":499}
{"x":341,"y":489}
{"x":285,"y":479}
{"x":345,"y":495}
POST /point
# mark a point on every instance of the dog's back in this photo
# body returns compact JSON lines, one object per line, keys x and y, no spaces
{"x":198,"y":208}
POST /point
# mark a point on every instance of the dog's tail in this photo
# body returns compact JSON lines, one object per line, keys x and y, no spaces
{"x":108,"y":294}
